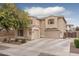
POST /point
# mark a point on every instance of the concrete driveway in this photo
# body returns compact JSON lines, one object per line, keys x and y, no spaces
{"x":41,"y":47}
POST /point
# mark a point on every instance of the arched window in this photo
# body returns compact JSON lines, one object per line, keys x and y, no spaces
{"x":51,"y":21}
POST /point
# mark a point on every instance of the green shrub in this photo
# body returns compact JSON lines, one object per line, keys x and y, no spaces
{"x":76,"y":43}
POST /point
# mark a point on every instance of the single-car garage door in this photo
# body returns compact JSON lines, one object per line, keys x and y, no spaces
{"x":36,"y":34}
{"x":52,"y":34}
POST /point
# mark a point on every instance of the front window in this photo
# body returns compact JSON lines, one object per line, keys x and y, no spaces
{"x":20,"y":32}
{"x":51,"y":21}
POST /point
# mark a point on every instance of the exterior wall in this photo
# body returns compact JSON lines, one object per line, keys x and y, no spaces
{"x":35,"y":22}
{"x":35,"y":26}
{"x":61,"y":26}
{"x":27,"y":33}
{"x":42,"y":28}
{"x":51,"y":25}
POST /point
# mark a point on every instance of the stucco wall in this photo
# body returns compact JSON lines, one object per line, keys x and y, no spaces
{"x":35,"y":22}
{"x":42,"y":28}
{"x":61,"y":26}
{"x":51,"y":25}
{"x":35,"y":26}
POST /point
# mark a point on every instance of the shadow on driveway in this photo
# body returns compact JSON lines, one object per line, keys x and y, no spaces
{"x":45,"y":54}
{"x":3,"y":54}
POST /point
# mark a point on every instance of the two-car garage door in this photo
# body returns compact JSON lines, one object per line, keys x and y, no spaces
{"x":52,"y":34}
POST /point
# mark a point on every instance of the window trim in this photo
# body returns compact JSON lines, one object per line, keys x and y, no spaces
{"x":51,"y":21}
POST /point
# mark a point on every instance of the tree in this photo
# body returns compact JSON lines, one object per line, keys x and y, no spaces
{"x":12,"y":17}
{"x":77,"y":28}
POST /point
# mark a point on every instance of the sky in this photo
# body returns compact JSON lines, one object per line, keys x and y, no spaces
{"x":69,"y":10}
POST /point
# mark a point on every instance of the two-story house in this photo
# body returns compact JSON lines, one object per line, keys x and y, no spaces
{"x":49,"y":27}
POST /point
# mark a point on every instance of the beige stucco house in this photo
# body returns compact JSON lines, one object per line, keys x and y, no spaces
{"x":48,"y":27}
{"x":52,"y":27}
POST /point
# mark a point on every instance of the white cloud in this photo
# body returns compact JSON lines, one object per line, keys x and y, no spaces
{"x":57,"y":10}
{"x":43,"y":12}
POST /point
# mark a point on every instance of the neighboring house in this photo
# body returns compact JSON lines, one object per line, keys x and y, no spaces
{"x":52,"y":27}
{"x":70,"y":27}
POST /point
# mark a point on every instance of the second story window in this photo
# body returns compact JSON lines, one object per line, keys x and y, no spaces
{"x":51,"y":21}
